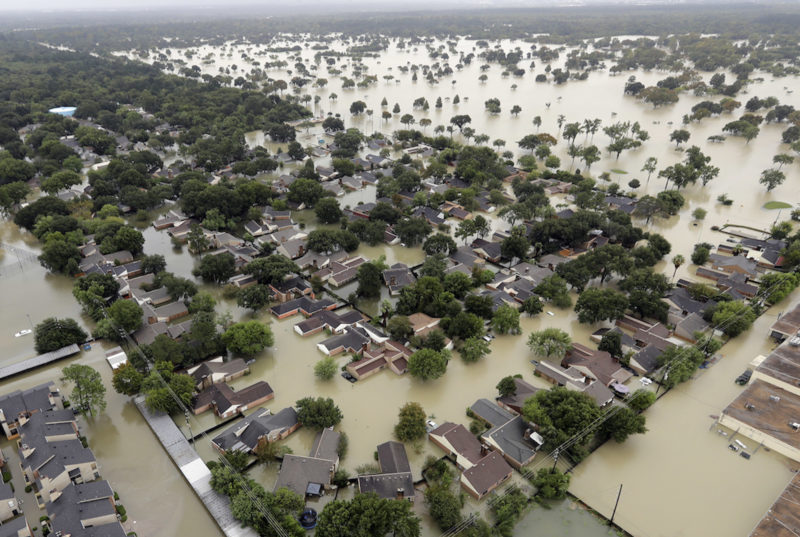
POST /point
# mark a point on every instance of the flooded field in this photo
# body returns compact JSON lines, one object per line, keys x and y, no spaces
{"x":679,"y":478}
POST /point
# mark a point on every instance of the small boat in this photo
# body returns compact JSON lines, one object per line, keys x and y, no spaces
{"x":23,"y":332}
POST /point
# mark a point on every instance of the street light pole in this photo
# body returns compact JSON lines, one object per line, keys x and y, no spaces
{"x":611,"y":521}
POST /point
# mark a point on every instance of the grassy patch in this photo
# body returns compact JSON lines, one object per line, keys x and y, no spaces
{"x":777,"y":205}
{"x":616,"y":170}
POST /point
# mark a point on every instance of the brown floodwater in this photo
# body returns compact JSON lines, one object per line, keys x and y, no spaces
{"x":679,"y":478}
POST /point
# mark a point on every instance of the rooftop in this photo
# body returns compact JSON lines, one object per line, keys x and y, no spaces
{"x":758,"y":408}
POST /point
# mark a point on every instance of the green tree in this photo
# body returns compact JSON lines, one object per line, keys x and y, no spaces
{"x":641,"y":400}
{"x":254,"y":297}
{"x":561,"y":414}
{"x":248,"y":338}
{"x":506,"y":387}
{"x":410,"y":423}
{"x":473,"y":349}
{"x":772,"y":178}
{"x":439,"y":244}
{"x":325,"y":369}
{"x":318,"y":413}
{"x":88,"y":391}
{"x":412,"y":231}
{"x":126,"y":314}
{"x":550,"y":343}
{"x":369,"y":278}
{"x":621,"y":423}
{"x":52,"y":334}
{"x":554,"y":288}
{"x":595,"y":305}
{"x":217,"y":268}
{"x":550,"y":484}
{"x":679,"y":136}
{"x":611,"y":343}
{"x":272,"y":269}
{"x":328,"y":211}
{"x":166,"y":391}
{"x":506,"y":320}
{"x":428,"y":364}
{"x":127,"y":380}
{"x":733,"y":317}
{"x":443,"y":506}
{"x":367,"y":515}
{"x":532,"y":306}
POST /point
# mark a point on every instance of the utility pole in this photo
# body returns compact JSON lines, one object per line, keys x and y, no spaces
{"x":611,"y":521}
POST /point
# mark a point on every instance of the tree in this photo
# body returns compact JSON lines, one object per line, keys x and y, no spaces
{"x":318,"y":413}
{"x":126,"y":314}
{"x":127,"y":380}
{"x":551,"y":484}
{"x":412,"y":231}
{"x":367,"y":515}
{"x":428,"y":364}
{"x":328,"y":211}
{"x":473,"y":349}
{"x":774,"y":287}
{"x":307,"y":191}
{"x":679,"y":136}
{"x":460,"y":120}
{"x":464,"y":326}
{"x":325,"y":369}
{"x":515,"y":110}
{"x":611,"y":342}
{"x":645,"y":290}
{"x":443,"y":506}
{"x":272,"y":269}
{"x":88,"y":392}
{"x":333,"y":124}
{"x":554,"y":288}
{"x":400,"y":328}
{"x":621,"y":424}
{"x":772,"y":178}
{"x":550,"y":343}
{"x":254,"y":297}
{"x":733,"y":317}
{"x":641,"y":400}
{"x":369,"y":278}
{"x":596,"y":305}
{"x":60,"y":256}
{"x":506,"y":320}
{"x":507,"y":386}
{"x":561,"y":414}
{"x":700,"y":254}
{"x":166,"y":391}
{"x":532,"y":306}
{"x":52,"y":334}
{"x":516,"y":245}
{"x":411,"y":423}
{"x":677,"y":261}
{"x":439,"y":244}
{"x":217,"y":268}
{"x":650,"y":166}
{"x":153,"y":264}
{"x":358,"y":107}
{"x":248,"y":338}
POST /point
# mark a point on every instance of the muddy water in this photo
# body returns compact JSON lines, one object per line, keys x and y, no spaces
{"x":679,"y":463}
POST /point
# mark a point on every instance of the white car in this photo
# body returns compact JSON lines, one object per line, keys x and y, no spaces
{"x":646,"y":381}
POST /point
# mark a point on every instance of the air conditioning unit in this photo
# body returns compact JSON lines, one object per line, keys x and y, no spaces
{"x":794,"y":425}
{"x":774,"y":398}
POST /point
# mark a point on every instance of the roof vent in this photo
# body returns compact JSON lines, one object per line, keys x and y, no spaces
{"x":795,"y":341}
{"x":794,"y":425}
{"x":774,"y":398}
{"x":749,"y":406}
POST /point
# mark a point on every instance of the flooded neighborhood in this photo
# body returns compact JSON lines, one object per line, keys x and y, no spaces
{"x":276,"y":283}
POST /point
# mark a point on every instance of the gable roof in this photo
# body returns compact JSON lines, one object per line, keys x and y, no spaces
{"x":298,"y":472}
{"x":393,"y":458}
{"x":487,"y":473}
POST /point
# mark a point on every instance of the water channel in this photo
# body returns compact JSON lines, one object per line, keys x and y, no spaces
{"x":679,"y":479}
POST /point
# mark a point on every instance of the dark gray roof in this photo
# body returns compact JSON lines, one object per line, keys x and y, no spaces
{"x":243,"y":435}
{"x":298,"y":472}
{"x":326,"y":445}
{"x":510,"y":437}
{"x":487,"y":473}
{"x":392,"y":458}
{"x":24,"y":402}
{"x":647,"y":358}
{"x":12,"y":528}
{"x":84,"y":502}
{"x":490,"y":412}
{"x":388,"y":486}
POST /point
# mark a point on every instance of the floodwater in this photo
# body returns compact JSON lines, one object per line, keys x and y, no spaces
{"x":679,"y":478}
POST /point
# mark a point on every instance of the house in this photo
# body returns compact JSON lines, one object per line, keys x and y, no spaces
{"x":458,"y":443}
{"x":433,"y":217}
{"x":116,"y":357}
{"x":389,"y":354}
{"x":306,"y":476}
{"x":226,"y":402}
{"x":455,"y":210}
{"x":52,"y":455}
{"x":168,"y":312}
{"x":738,"y":264}
{"x":18,"y":406}
{"x":597,"y":364}
{"x":688,"y":326}
{"x":18,"y":527}
{"x":645,"y":361}
{"x":551,"y":261}
{"x":316,"y":261}
{"x":534,"y":273}
{"x":353,"y":339}
{"x":787,"y":325}
{"x":572,"y":379}
{"x":394,"y":481}
{"x":396,"y":277}
{"x":216,"y":371}
{"x":85,"y":510}
{"x":515,"y":401}
{"x":326,"y":446}
{"x":509,"y":434}
{"x":339,"y":273}
{"x":291,"y":288}
{"x":257,"y":429}
{"x":488,"y":250}
{"x":486,"y":475}
{"x":9,"y":507}
{"x":328,"y":320}
{"x":171,"y":219}
{"x":292,"y":249}
{"x":304,"y":305}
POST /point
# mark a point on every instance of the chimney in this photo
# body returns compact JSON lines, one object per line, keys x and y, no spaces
{"x":484,"y":451}
{"x":393,"y":281}
{"x":400,"y":494}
